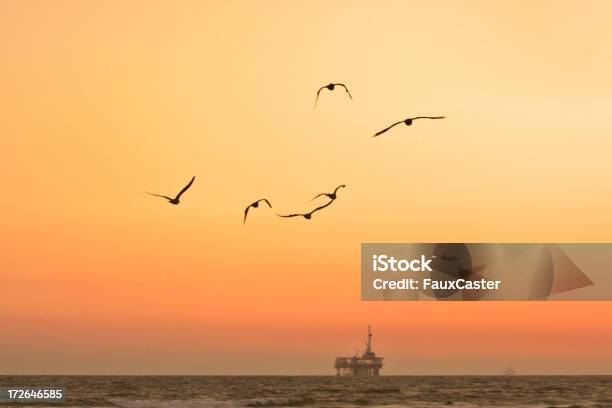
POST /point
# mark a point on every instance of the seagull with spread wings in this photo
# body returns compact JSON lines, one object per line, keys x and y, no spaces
{"x":408,"y":122}
{"x":175,"y":200}
{"x":309,"y":214}
{"x":331,"y":87}
{"x":333,"y":195}
{"x":254,"y":205}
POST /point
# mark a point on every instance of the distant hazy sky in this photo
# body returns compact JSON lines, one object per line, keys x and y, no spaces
{"x":103,"y":100}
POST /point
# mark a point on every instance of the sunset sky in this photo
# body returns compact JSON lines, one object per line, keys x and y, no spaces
{"x":103,"y":100}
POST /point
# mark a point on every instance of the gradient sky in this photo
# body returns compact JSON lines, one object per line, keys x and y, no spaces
{"x":104,"y":100}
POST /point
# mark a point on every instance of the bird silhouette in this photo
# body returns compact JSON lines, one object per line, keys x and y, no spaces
{"x":309,"y":214}
{"x":175,"y":200}
{"x":254,"y":205}
{"x":331,"y":88}
{"x":333,"y":195}
{"x":408,"y":122}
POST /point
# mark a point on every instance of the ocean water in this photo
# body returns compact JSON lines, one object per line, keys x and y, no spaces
{"x":385,"y":391}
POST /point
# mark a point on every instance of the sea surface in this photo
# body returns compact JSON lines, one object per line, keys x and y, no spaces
{"x":384,"y":391}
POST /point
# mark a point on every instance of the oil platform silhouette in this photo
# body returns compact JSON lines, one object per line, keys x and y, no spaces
{"x":366,"y":365}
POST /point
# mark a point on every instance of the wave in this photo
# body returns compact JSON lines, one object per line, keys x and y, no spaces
{"x":182,"y":403}
{"x":281,"y":402}
{"x":382,"y":391}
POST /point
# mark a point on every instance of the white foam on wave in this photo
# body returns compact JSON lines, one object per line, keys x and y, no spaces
{"x":184,"y":403}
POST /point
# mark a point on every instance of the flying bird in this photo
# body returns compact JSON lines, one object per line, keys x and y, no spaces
{"x":408,"y":122}
{"x":175,"y":200}
{"x":331,"y":88}
{"x":254,"y":205}
{"x":333,"y":195}
{"x":307,"y":215}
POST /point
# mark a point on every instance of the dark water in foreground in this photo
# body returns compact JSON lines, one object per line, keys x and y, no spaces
{"x":228,"y":392}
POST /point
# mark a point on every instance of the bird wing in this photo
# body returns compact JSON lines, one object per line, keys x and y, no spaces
{"x":428,"y":117}
{"x":321,"y":207}
{"x":346,"y":89}
{"x":339,"y":187}
{"x":290,"y":215}
{"x":267,"y":202}
{"x":246,"y":211}
{"x":317,"y":196}
{"x":185,"y":188}
{"x":384,"y":130}
{"x":318,"y":92}
{"x":157,"y":195}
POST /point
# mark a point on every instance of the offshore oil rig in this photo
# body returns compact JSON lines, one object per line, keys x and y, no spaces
{"x":366,"y":365}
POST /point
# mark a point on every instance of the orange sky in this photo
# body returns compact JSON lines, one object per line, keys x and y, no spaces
{"x":103,"y":100}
